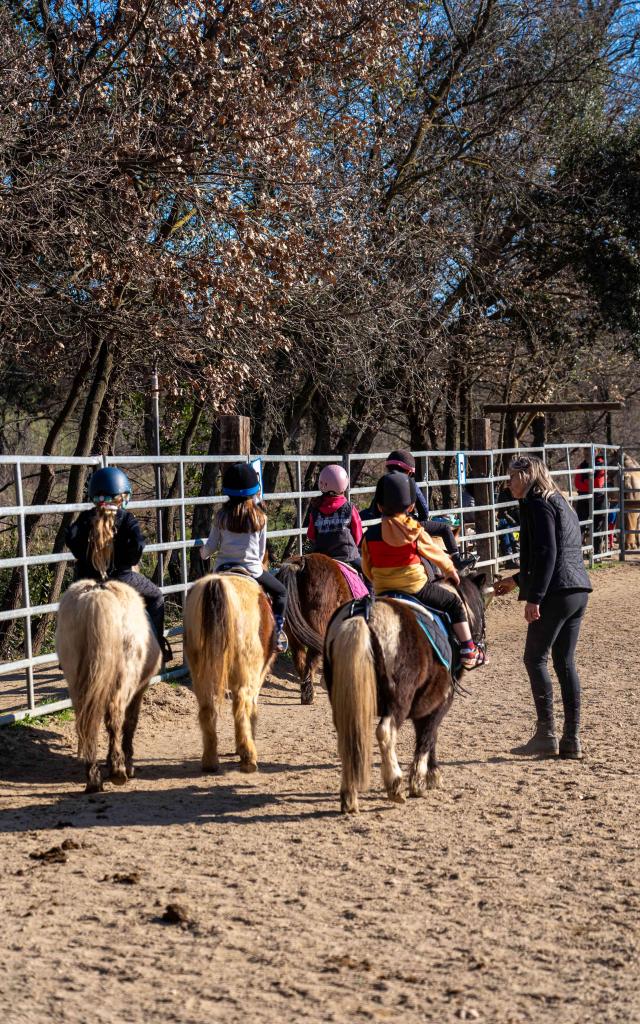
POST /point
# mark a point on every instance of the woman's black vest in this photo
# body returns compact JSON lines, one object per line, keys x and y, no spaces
{"x":568,"y":571}
{"x":333,"y":533}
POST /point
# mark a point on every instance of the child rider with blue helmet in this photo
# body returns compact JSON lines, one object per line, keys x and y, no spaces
{"x":107,"y":543}
{"x":239,"y":536}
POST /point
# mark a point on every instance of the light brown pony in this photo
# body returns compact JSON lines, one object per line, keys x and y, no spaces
{"x":632,"y":496}
{"x":229,"y":645}
{"x":108,"y":653}
{"x":315,"y":588}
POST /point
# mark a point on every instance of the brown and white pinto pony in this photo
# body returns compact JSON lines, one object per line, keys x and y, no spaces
{"x":229,"y":645}
{"x":315,"y":588}
{"x":108,"y":653}
{"x":387,"y":667}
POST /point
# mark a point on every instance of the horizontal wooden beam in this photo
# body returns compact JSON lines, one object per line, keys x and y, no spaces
{"x":554,"y":407}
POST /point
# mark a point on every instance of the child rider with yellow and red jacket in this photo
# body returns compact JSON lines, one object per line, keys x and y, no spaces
{"x":396,"y":554}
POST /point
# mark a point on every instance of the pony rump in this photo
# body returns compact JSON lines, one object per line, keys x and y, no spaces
{"x":102,"y":533}
{"x":353,"y":702}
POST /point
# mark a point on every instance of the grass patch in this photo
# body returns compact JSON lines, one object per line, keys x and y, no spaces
{"x":41,"y":721}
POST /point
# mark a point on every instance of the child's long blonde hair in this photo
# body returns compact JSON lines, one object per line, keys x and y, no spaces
{"x":533,"y":473}
{"x":103,"y":529}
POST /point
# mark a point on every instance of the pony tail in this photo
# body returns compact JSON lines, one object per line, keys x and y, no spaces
{"x":101,"y":537}
{"x":305,"y":634}
{"x":98,"y":678}
{"x":216,"y":636}
{"x":353,"y":698}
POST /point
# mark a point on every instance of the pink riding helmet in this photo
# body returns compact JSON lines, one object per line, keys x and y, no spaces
{"x":333,"y":478}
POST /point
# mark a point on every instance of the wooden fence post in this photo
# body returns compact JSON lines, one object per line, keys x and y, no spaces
{"x":483,"y":493}
{"x":235,"y":436}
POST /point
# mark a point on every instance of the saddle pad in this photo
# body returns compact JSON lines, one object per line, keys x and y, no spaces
{"x":431,"y":624}
{"x":355,"y":583}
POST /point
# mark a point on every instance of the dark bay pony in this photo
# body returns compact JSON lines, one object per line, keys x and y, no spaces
{"x":316,"y":588}
{"x":386,"y":666}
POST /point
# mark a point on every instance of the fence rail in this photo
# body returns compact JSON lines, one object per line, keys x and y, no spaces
{"x":27,"y":686}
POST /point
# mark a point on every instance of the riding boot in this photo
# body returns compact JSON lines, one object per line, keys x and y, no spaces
{"x":167,"y":653}
{"x":282,"y":644}
{"x":543,"y":743}
{"x":461,"y":563}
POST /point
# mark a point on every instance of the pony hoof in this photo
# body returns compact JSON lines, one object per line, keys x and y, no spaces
{"x":118,"y":778}
{"x":417,"y":789}
{"x":396,"y":793}
{"x":434,"y":779}
{"x":210,"y":769}
{"x":306,"y":693}
{"x":248,"y":767}
{"x":348,"y":803}
{"x":397,"y":798}
{"x":94,"y":787}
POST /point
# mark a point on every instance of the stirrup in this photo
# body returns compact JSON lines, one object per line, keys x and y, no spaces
{"x":282,"y":643}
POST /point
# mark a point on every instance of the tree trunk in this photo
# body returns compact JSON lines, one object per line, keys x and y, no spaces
{"x":13,"y":595}
{"x":169,"y":514}
{"x":202,"y":514}
{"x":86,"y":437}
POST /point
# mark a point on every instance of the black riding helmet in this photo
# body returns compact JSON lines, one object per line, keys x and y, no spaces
{"x":395,"y":492}
{"x":240,"y":480}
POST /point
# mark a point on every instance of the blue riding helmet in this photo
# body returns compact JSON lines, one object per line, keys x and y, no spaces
{"x":106,"y":484}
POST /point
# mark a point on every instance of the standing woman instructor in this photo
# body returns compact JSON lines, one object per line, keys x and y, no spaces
{"x":555,"y":586}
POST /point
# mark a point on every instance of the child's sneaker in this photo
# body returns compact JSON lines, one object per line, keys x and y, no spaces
{"x":471,"y":656}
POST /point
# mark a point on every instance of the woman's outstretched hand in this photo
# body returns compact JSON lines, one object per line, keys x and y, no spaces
{"x":502,"y":587}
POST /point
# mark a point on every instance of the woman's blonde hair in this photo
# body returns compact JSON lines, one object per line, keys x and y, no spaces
{"x":103,"y":529}
{"x":533,"y":473}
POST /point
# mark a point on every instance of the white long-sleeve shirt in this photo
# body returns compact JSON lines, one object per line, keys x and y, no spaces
{"x":246,"y":549}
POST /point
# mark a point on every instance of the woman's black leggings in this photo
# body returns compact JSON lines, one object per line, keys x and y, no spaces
{"x":557,"y":631}
{"x":276,"y":591}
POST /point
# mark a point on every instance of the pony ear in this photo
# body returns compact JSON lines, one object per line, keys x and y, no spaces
{"x":479,"y":579}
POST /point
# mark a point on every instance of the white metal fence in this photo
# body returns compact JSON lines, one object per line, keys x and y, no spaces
{"x":32,"y":685}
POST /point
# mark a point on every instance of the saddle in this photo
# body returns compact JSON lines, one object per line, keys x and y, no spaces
{"x":231,"y":569}
{"x":433,"y":624}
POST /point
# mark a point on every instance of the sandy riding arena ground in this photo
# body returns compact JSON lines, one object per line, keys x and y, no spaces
{"x":510,"y":895}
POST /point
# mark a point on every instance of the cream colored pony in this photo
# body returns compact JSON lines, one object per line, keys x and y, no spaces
{"x":229,"y":645}
{"x":108,"y":653}
{"x":632,"y":497}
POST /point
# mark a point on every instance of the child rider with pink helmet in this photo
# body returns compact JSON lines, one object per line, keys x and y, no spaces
{"x":334,"y":523}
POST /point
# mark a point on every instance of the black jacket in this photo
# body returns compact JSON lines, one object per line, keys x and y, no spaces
{"x":550,"y":548}
{"x":128,"y":544}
